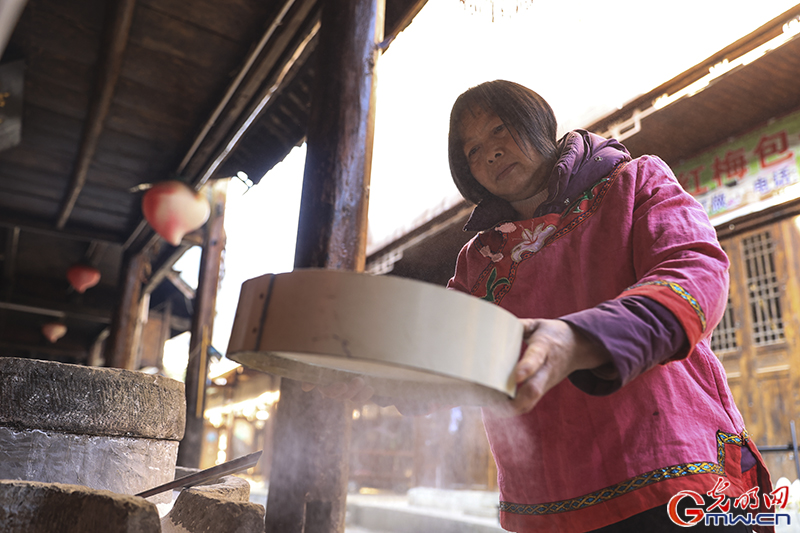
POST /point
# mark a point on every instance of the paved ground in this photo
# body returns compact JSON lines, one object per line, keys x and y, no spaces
{"x":428,"y":511}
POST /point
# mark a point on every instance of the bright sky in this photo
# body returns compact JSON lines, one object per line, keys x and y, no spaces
{"x":584,"y":57}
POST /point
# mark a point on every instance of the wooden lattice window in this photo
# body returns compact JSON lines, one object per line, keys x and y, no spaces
{"x":763,"y":289}
{"x":724,"y":338}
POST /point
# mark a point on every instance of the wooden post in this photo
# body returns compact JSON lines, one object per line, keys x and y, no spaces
{"x":166,"y":331}
{"x":9,"y":272}
{"x":119,"y":348}
{"x":308,"y":479}
{"x":202,"y":327}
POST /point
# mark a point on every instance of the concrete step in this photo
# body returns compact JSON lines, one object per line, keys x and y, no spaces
{"x":387,"y":514}
{"x":422,"y":510}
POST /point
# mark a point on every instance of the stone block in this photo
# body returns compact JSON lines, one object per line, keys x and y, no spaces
{"x":124,"y":465}
{"x":34,"y":507}
{"x":104,"y":428}
{"x":220,"y":506}
{"x":95,"y":401}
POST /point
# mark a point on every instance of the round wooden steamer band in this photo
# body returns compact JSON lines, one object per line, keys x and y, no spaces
{"x":405,"y":338}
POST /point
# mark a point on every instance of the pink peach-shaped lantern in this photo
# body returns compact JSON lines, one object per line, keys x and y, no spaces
{"x":83,"y":277}
{"x":173,"y":209}
{"x":54,"y":331}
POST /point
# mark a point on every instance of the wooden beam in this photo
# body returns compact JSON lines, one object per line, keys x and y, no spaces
{"x":761,"y":35}
{"x":402,"y":23}
{"x":54,"y":352}
{"x":332,"y":228}
{"x":57,"y":311}
{"x":280,"y":79}
{"x":119,"y":347}
{"x":243,"y":94}
{"x":95,"y":252}
{"x":96,"y":351}
{"x":247,"y":98}
{"x":760,"y":218}
{"x":202,"y":328}
{"x":162,"y":271}
{"x":166,"y":323}
{"x":308,"y":479}
{"x":178,"y":323}
{"x":179,"y":283}
{"x":115,"y":40}
{"x":35,"y":226}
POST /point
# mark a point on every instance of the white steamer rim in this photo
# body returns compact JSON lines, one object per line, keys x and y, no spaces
{"x":405,"y":338}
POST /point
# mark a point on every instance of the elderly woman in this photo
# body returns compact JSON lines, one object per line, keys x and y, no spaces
{"x":619,"y":279}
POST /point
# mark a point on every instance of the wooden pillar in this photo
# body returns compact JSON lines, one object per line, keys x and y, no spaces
{"x":120,"y":346}
{"x":308,"y":479}
{"x":202,"y":327}
{"x":166,"y":331}
{"x":9,"y":273}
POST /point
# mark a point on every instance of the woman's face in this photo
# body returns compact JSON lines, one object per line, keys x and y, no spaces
{"x":495,"y":159}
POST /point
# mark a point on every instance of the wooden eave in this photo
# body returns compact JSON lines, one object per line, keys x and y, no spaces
{"x":735,"y":103}
{"x":128,"y":92}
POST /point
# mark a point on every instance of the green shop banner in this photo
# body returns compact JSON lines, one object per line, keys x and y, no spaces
{"x":751,"y":168}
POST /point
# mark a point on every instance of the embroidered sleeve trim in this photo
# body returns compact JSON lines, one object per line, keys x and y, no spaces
{"x":638,"y":482}
{"x":680,"y":291}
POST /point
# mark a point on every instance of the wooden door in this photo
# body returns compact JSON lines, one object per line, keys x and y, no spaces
{"x":757,"y":339}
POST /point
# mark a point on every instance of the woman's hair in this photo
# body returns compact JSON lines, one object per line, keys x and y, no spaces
{"x":529,"y":118}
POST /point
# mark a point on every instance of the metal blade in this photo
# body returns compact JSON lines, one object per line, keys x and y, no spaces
{"x":242,"y":463}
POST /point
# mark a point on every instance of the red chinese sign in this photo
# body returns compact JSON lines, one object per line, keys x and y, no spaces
{"x":747,"y":170}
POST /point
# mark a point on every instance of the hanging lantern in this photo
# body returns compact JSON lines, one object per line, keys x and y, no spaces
{"x":54,"y":331}
{"x":83,"y":277}
{"x":173,"y":209}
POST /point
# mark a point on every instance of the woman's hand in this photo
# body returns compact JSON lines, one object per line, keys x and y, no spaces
{"x":554,"y":351}
{"x":355,"y":390}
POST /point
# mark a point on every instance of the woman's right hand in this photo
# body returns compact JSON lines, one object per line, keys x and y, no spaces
{"x":554,"y":350}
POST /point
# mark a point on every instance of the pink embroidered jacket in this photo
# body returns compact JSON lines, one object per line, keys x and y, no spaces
{"x":578,"y":462}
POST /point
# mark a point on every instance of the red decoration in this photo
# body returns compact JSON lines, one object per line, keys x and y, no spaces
{"x":83,"y":277}
{"x":54,"y":331}
{"x":173,"y":209}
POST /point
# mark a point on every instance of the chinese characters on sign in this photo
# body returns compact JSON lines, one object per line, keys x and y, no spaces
{"x":746,"y":170}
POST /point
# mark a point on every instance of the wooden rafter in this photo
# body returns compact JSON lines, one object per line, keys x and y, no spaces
{"x":255,"y":86}
{"x":57,"y":311}
{"x":36,"y":226}
{"x":115,"y":40}
{"x":236,"y":93}
{"x":747,"y":43}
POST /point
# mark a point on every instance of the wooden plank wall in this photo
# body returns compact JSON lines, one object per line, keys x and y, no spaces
{"x":176,"y":67}
{"x":764,"y":375}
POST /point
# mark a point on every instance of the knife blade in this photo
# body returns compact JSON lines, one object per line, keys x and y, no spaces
{"x":236,"y":465}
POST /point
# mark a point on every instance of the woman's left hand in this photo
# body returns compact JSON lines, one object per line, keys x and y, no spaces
{"x":555,"y":350}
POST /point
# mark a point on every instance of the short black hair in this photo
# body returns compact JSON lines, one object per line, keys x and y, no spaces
{"x":529,"y":118}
